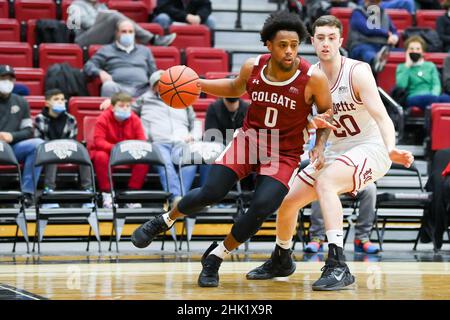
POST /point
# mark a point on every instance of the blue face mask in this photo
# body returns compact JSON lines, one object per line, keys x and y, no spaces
{"x":127,"y":40}
{"x":59,"y":108}
{"x":122,"y":115}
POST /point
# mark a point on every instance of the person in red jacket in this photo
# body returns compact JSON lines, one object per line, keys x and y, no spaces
{"x":114,"y":125}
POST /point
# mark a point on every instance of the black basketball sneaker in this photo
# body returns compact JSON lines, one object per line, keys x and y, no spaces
{"x":335,"y":274}
{"x":209,"y":277}
{"x":144,"y":234}
{"x":280,"y":264}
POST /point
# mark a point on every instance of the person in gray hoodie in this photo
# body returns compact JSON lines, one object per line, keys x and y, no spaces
{"x":168,"y":129}
{"x":94,"y":23}
{"x":122,"y":66}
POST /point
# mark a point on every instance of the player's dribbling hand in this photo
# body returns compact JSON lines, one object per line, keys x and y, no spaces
{"x":317,"y":158}
{"x":402,"y":157}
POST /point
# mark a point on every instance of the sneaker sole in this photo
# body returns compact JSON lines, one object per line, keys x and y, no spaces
{"x":341,"y":285}
{"x":268,"y":277}
{"x":137,"y":243}
{"x":207,"y":285}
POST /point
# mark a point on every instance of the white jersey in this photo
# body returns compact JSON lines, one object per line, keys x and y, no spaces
{"x":355,"y":125}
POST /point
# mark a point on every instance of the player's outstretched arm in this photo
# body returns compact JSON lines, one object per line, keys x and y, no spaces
{"x":318,"y":91}
{"x":366,"y":90}
{"x":229,"y":87}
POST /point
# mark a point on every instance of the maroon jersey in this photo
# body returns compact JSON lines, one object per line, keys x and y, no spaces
{"x":279,"y":105}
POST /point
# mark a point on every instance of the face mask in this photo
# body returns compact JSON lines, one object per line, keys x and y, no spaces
{"x":6,"y":86}
{"x":59,"y":108}
{"x":231,"y":100}
{"x":126,"y":40}
{"x":415,"y":56}
{"x":122,"y":115}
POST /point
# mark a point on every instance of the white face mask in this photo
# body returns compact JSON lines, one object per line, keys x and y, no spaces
{"x":6,"y":86}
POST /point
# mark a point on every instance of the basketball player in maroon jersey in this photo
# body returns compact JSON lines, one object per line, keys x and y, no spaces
{"x":282,"y":87}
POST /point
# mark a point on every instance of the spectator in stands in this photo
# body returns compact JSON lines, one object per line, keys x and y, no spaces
{"x":418,"y":77}
{"x":443,"y":26}
{"x":224,"y":114}
{"x":21,"y":89}
{"x":186,"y":11}
{"x":363,"y":228}
{"x":122,"y":66}
{"x":409,"y":5}
{"x":55,"y":123}
{"x":95,"y":24}
{"x":446,"y":75}
{"x":368,"y":42}
{"x":114,"y":125}
{"x":168,"y":129}
{"x":16,"y":128}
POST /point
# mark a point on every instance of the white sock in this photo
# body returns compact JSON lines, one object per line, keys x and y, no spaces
{"x":167,"y":219}
{"x":336,"y":237}
{"x":220,"y":251}
{"x":285,"y":244}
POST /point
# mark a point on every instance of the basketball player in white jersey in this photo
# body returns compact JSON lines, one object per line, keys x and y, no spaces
{"x":361,"y":152}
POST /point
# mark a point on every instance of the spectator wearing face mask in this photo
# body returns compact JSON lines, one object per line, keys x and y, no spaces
{"x":420,"y":78}
{"x":54,"y":122}
{"x":117,"y":123}
{"x":122,"y":66}
{"x":16,"y":128}
{"x":443,"y":26}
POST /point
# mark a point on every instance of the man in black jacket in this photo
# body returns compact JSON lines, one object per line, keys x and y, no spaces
{"x":443,"y":26}
{"x":16,"y":128}
{"x":187,"y":11}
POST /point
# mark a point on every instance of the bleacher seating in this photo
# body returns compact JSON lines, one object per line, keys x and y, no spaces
{"x":4,"y":9}
{"x":427,"y":18}
{"x":191,"y":36}
{"x":80,"y":107}
{"x":33,"y":78}
{"x":135,"y":10}
{"x":204,"y":60}
{"x":400,"y":18}
{"x":9,"y":30}
{"x":32,"y":9}
{"x":88,"y":130}
{"x":31,"y":31}
{"x":166,"y":57}
{"x":440,"y":124}
{"x":36,"y":104}
{"x":344,"y":15}
{"x":201,"y":106}
{"x":51,"y":53}
{"x":65,"y":4}
{"x":152,"y":27}
{"x":16,"y":54}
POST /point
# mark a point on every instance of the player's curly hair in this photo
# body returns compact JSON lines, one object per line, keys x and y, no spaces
{"x":283,"y":20}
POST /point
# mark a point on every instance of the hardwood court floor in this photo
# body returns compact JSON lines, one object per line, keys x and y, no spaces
{"x":178,"y":280}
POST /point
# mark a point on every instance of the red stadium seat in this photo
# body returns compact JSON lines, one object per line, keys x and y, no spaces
{"x":81,"y":107}
{"x":150,"y":4}
{"x":165,"y":57}
{"x":36,"y":104}
{"x":135,"y":10}
{"x":9,"y":30}
{"x":33,"y":78}
{"x":65,"y":4}
{"x":427,"y":18}
{"x":88,"y":130}
{"x":344,"y":15}
{"x":202,"y":104}
{"x":153,"y":28}
{"x":191,"y":36}
{"x":31,"y":32}
{"x":51,"y":53}
{"x":4,"y":9}
{"x":400,"y":18}
{"x":16,"y":54}
{"x":440,"y":124}
{"x":93,"y":48}
{"x":204,"y":60}
{"x":436,"y":57}
{"x":32,"y":9}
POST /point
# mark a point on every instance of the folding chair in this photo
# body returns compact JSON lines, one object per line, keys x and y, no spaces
{"x":65,"y":151}
{"x":132,"y":152}
{"x":205,"y":153}
{"x":8,"y":158}
{"x":416,"y":198}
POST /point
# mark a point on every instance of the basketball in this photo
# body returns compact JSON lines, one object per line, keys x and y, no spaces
{"x":179,"y":87}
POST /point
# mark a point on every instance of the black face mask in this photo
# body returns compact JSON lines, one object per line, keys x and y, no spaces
{"x":415,"y":56}
{"x":231,"y":100}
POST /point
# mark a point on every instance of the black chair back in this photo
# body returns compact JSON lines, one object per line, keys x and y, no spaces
{"x":7,"y":156}
{"x":131,"y":152}
{"x":62,"y":151}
